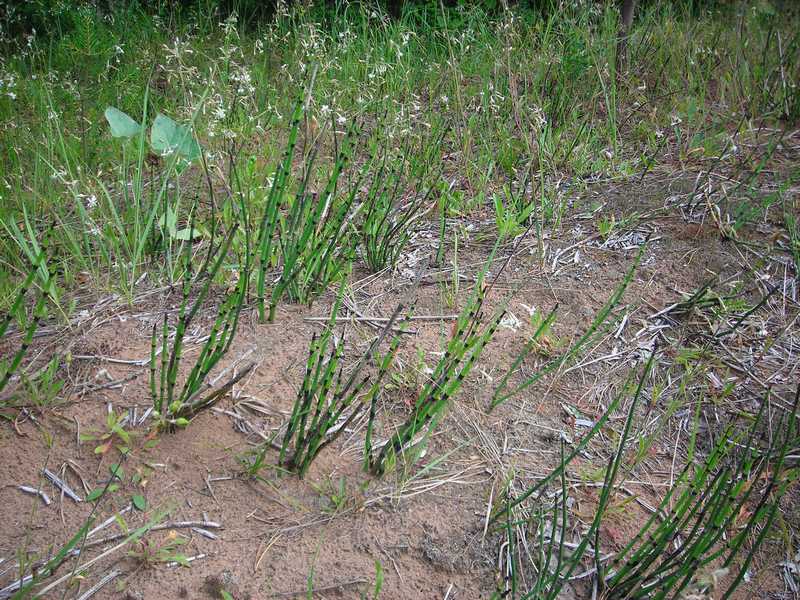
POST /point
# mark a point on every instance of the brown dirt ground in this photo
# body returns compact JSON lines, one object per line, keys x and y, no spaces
{"x":427,"y":531}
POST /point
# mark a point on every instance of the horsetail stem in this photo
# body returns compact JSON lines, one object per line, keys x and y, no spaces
{"x":327,"y":401}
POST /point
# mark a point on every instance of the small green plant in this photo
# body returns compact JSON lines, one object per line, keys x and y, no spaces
{"x":376,"y":589}
{"x":542,"y":324}
{"x":114,"y":435}
{"x":449,"y":290}
{"x":606,"y":226}
{"x":43,"y":388}
{"x":176,"y":409}
{"x":512,"y":211}
{"x":153,"y":552}
{"x":37,"y":582}
{"x":336,"y":494}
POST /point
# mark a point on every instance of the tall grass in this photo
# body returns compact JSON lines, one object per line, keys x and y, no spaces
{"x":690,"y":69}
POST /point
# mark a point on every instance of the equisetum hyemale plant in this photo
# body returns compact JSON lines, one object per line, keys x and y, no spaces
{"x":305,"y":231}
{"x":328,"y":400}
{"x":388,"y":212}
{"x":717,"y":513}
{"x":175,"y":408}
{"x":29,"y":323}
{"x":714,"y":508}
{"x":468,"y":339}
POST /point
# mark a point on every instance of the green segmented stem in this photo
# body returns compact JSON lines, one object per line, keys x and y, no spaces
{"x":327,"y":401}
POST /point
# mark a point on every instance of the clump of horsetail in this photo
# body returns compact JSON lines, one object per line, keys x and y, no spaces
{"x":387,"y":214}
{"x":328,"y":401}
{"x":29,"y":323}
{"x":305,"y":232}
{"x":173,"y":408}
{"x":706,"y":513}
{"x":502,"y":393}
{"x":314,"y":246}
{"x":675,"y":544}
{"x":554,"y":567}
{"x":269,"y":220}
{"x":467,"y":341}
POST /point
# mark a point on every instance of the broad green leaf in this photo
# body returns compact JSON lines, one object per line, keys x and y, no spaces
{"x":122,"y":126}
{"x":169,"y":222}
{"x":123,"y":435}
{"x":139,"y":502}
{"x":103,"y":448}
{"x":166,"y":137}
{"x":186,"y":235}
{"x":117,"y":471}
{"x":180,"y":559}
{"x":95,"y":494}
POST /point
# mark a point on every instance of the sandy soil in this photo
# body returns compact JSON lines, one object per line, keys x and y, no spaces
{"x":424,"y":524}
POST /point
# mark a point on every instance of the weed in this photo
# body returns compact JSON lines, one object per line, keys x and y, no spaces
{"x":152,"y":552}
{"x":606,"y":226}
{"x":43,"y":388}
{"x":336,"y":494}
{"x":114,"y":435}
